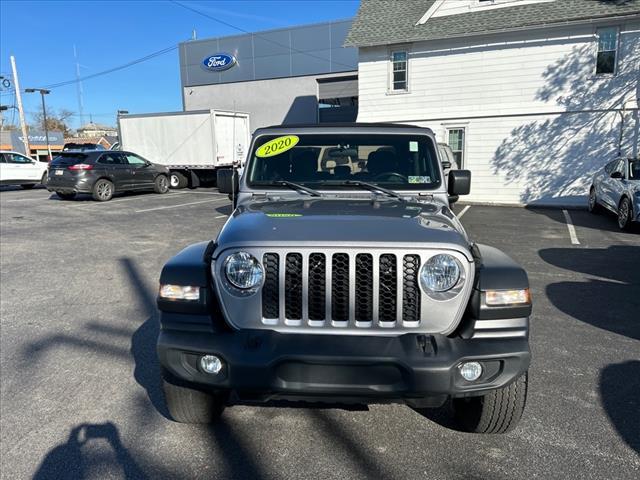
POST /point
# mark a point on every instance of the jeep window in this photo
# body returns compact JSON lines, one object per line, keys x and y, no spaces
{"x":394,"y":161}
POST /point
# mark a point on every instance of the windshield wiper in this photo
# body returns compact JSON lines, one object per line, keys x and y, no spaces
{"x":299,"y":188}
{"x":372,"y":187}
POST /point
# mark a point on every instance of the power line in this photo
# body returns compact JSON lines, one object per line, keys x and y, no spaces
{"x":273,"y":42}
{"x":110,"y":70}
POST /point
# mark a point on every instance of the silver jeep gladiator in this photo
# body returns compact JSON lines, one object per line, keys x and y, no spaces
{"x":342,"y":276}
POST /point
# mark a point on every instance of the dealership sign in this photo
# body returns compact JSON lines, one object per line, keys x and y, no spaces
{"x":219,"y":62}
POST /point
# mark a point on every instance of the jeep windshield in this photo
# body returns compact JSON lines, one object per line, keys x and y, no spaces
{"x":344,"y":161}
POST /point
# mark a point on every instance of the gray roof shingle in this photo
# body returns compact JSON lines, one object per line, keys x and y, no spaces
{"x":381,"y":22}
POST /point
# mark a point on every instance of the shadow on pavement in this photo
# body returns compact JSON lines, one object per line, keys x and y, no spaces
{"x":620,"y":393}
{"x":612,"y":300}
{"x":71,"y":460}
{"x":605,"y":221}
{"x":143,"y":341}
{"x":225,"y":209}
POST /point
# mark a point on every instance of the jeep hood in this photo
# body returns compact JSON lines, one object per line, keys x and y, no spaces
{"x":344,"y":222}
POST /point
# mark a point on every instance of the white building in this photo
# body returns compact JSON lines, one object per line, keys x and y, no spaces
{"x":533,"y":95}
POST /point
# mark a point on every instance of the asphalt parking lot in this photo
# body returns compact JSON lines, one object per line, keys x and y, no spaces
{"x":80,"y":392}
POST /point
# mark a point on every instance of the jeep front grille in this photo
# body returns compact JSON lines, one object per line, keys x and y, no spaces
{"x":367,"y":294}
{"x":342,"y":290}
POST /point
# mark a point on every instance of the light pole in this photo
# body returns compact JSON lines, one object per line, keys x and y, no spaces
{"x":43,"y":92}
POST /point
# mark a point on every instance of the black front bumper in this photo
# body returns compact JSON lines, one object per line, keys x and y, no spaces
{"x":263,"y":365}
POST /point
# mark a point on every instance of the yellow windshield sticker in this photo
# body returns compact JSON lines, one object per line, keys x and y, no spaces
{"x":283,"y":215}
{"x":277,"y":146}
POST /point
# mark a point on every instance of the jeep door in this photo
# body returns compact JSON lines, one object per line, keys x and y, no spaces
{"x":142,"y":172}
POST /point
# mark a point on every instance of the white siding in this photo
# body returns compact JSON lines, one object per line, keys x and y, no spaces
{"x":519,"y":96}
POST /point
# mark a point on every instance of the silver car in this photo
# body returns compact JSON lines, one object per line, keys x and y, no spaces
{"x":616,"y":187}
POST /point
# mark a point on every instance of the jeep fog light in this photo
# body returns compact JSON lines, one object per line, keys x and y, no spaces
{"x":507,"y":297}
{"x":179,"y":292}
{"x":211,"y":364}
{"x":470,"y":371}
{"x":243,"y":270}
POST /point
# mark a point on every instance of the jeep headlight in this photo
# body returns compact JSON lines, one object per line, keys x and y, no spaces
{"x":243,"y":270}
{"x":440,"y":273}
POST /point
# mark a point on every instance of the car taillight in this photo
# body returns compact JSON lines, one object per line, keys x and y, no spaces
{"x":81,"y":166}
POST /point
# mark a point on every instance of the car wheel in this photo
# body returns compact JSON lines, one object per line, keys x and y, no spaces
{"x":43,"y":180}
{"x":188,"y":405}
{"x":161,"y":184}
{"x":178,"y":180}
{"x":496,"y":412}
{"x":102,"y":190}
{"x":66,"y":196}
{"x":594,"y":206}
{"x":28,"y":186}
{"x":624,"y":213}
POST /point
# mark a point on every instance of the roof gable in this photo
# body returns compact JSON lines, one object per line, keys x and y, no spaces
{"x":381,"y":22}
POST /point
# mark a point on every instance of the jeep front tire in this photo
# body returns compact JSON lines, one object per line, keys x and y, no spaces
{"x":498,"y":411}
{"x":188,"y":405}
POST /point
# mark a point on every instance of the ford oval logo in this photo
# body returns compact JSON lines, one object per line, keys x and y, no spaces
{"x":219,"y":62}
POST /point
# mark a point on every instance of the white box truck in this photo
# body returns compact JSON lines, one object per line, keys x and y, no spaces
{"x":193,"y":145}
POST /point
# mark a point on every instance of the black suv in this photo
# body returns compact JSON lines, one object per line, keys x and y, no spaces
{"x":103,"y":173}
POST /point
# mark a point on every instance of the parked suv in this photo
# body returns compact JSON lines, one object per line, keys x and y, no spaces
{"x":616,"y":187}
{"x":104,"y":173}
{"x":17,"y":169}
{"x":360,"y":286}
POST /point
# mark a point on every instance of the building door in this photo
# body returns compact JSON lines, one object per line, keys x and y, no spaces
{"x":456,"y":140}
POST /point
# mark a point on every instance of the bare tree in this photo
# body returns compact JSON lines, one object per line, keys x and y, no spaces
{"x":57,"y":120}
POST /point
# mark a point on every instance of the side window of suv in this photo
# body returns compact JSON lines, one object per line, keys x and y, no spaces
{"x":610,"y":167}
{"x":110,"y":159}
{"x":15,"y":158}
{"x":134,"y":160}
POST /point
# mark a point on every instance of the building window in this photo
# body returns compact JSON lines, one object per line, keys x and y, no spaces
{"x":607,"y":49}
{"x":456,"y":142}
{"x":399,"y":71}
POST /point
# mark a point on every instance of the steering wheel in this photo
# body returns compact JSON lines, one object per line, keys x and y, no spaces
{"x":384,"y":175}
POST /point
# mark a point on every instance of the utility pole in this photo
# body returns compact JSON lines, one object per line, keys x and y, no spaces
{"x":79,"y":83}
{"x":43,"y":92}
{"x":23,"y":124}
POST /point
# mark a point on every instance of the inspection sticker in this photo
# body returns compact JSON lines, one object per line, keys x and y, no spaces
{"x":277,"y":146}
{"x":283,"y":215}
{"x":419,"y":179}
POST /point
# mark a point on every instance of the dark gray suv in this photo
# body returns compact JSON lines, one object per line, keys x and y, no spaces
{"x":103,"y":173}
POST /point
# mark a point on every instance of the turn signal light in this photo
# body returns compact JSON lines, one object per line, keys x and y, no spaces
{"x":495,"y":298}
{"x":179,"y":292}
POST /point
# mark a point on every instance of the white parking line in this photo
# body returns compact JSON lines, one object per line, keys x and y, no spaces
{"x":572,"y":230}
{"x":464,"y":210}
{"x":180,"y":205}
{"x":221,"y":216}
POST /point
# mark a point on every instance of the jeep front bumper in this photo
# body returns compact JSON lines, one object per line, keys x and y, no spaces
{"x":268,"y":365}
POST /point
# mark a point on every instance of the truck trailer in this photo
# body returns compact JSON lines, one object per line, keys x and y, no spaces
{"x":193,"y":145}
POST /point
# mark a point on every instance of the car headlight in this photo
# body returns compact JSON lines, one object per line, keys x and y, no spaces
{"x":440,"y":273}
{"x":243,"y":270}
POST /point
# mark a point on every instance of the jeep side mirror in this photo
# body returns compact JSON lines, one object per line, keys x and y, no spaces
{"x":459,"y":182}
{"x":227,"y":181}
{"x":616,"y":174}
